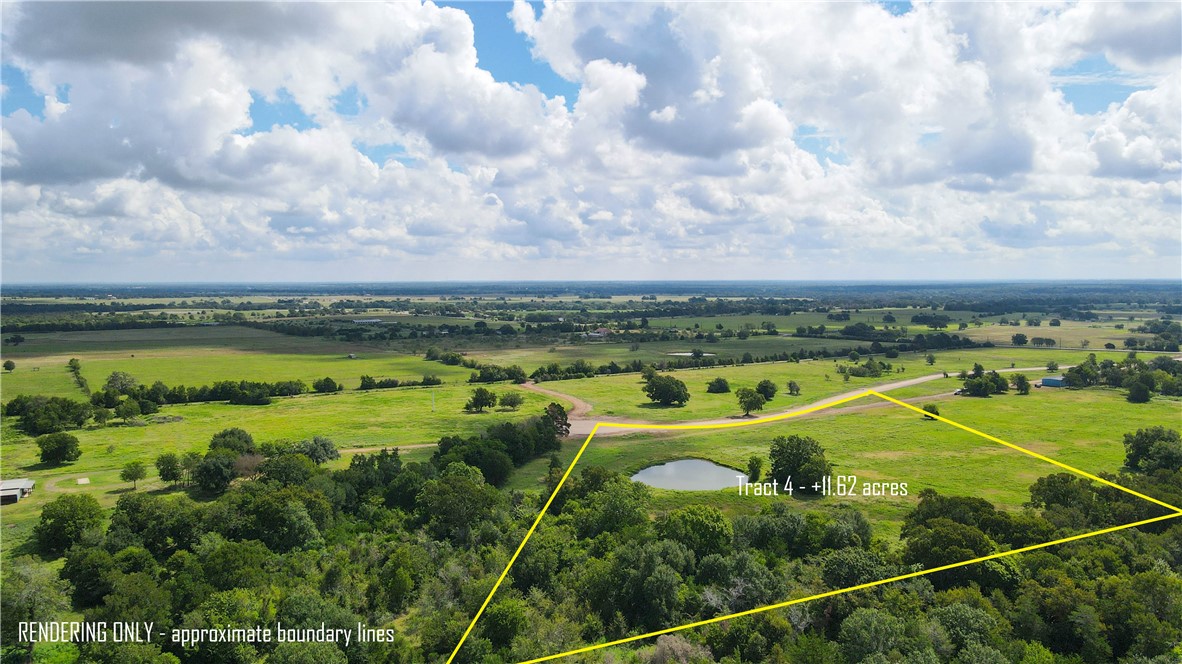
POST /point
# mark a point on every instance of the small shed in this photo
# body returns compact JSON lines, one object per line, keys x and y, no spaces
{"x":1052,"y":381}
{"x":12,"y":491}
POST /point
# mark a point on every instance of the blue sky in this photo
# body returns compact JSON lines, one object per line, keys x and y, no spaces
{"x":602,"y":140}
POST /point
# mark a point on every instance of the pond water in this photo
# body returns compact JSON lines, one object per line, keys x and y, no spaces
{"x":689,"y":475}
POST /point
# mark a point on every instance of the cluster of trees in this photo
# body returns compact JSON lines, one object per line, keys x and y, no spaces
{"x":1162,"y":375}
{"x":371,"y":383}
{"x":979,"y":383}
{"x":483,"y":397}
{"x":75,"y":367}
{"x":41,"y":414}
{"x":503,"y":447}
{"x":871,"y":368}
{"x":150,"y":397}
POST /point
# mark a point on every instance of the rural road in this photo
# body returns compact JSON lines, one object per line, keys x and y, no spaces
{"x":581,"y":422}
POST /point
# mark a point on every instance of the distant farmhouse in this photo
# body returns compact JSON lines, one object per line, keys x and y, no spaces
{"x":12,"y":491}
{"x":598,"y":333}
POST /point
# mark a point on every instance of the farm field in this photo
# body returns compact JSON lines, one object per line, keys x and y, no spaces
{"x":891,"y":444}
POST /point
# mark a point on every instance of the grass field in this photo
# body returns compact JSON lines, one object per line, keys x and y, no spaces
{"x":351,"y":419}
{"x":1080,"y":428}
{"x":621,"y":395}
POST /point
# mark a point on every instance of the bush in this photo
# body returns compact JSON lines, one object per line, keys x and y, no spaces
{"x":666,"y":390}
{"x":767,"y":388}
{"x":718,"y":386}
{"x":931,"y":408}
{"x":58,"y":448}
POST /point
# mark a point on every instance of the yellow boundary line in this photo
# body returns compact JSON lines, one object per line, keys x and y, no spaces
{"x":730,"y":425}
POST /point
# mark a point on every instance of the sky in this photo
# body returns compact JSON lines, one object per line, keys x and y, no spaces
{"x":169,"y":142}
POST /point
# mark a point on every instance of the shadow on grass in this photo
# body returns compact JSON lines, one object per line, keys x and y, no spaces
{"x":44,"y":465}
{"x":659,"y":406}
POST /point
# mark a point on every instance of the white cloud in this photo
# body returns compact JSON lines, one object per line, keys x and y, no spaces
{"x":948,"y":138}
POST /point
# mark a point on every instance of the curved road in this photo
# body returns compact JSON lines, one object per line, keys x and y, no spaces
{"x":581,"y":422}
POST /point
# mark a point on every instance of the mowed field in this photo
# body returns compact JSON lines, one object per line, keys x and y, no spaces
{"x":1082,"y":428}
{"x":622,"y":395}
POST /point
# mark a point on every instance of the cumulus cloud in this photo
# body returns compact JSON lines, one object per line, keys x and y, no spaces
{"x":686,"y":147}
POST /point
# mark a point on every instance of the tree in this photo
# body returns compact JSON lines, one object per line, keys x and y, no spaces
{"x":319,"y":449}
{"x":931,"y":408}
{"x":9,"y":365}
{"x":869,"y":631}
{"x":121,"y":382}
{"x":128,"y":409}
{"x":65,"y":519}
{"x":1052,"y":366}
{"x":767,"y":388}
{"x":1020,"y":383}
{"x":1138,"y":392}
{"x":718,"y":386}
{"x":793,"y":388}
{"x":754,"y":467}
{"x":215,"y":472}
{"x":1154,"y":448}
{"x":101,"y":415}
{"x":512,"y":400}
{"x":666,"y":390}
{"x":189,"y":463}
{"x":799,"y":457}
{"x":703,"y":529}
{"x":133,"y":472}
{"x":58,"y":448}
{"x":1019,"y":339}
{"x":854,"y":357}
{"x":555,"y":415}
{"x":749,"y":400}
{"x":168,"y":466}
{"x":930,"y":359}
{"x":482,"y":398}
{"x":31,"y":592}
{"x":324,"y":385}
{"x":234,"y":440}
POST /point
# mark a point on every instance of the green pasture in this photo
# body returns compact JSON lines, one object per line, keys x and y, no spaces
{"x":622,"y":396}
{"x":1082,"y":428}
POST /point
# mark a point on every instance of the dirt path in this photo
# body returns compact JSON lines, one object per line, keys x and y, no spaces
{"x":581,"y":422}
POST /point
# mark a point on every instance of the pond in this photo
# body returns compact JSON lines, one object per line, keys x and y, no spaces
{"x":689,"y":475}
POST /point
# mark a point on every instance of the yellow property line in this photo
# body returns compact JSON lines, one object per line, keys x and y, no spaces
{"x":843,"y":591}
{"x":1023,"y":450}
{"x":775,"y":418}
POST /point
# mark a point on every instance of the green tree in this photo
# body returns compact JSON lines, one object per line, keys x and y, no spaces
{"x":133,"y":472}
{"x":457,"y":503}
{"x":666,"y":390}
{"x":749,"y":400}
{"x":799,"y":457}
{"x":58,"y":448}
{"x":65,"y":519}
{"x":1052,"y":366}
{"x":930,"y":359}
{"x":503,"y":621}
{"x":793,"y":388}
{"x":121,"y":382}
{"x":767,"y":388}
{"x":31,"y":592}
{"x":128,"y":409}
{"x":754,"y":467}
{"x":482,"y":398}
{"x":512,"y":400}
{"x":215,"y":472}
{"x":931,"y":408}
{"x":324,"y":385}
{"x":315,"y":652}
{"x":1019,"y":339}
{"x":1021,"y":383}
{"x":319,"y":449}
{"x":702,"y":529}
{"x":718,"y":386}
{"x":1139,"y":392}
{"x":234,"y":440}
{"x":9,"y":365}
{"x":1154,"y":448}
{"x":869,"y":631}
